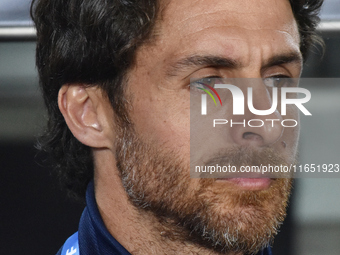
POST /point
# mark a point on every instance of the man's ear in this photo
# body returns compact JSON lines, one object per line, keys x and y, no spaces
{"x":87,"y":114}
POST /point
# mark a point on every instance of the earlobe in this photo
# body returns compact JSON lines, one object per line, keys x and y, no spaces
{"x":81,"y":108}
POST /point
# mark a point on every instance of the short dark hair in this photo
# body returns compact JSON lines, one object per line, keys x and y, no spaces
{"x":306,"y":13}
{"x":93,"y":42}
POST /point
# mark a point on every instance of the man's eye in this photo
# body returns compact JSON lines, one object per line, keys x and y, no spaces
{"x":196,"y":86}
{"x":278,"y":81}
{"x":205,"y":82}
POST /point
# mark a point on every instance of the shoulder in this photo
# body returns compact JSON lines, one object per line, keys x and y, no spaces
{"x":59,"y":252}
{"x":267,"y":251}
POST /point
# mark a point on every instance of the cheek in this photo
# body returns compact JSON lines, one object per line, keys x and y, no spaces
{"x":163,"y":118}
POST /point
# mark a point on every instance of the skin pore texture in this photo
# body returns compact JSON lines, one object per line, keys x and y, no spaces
{"x":143,"y":187}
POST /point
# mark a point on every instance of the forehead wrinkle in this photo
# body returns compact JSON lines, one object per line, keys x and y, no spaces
{"x":229,"y":14}
{"x":229,"y":17}
{"x":286,"y":28}
{"x":223,"y":25}
{"x":244,"y":28}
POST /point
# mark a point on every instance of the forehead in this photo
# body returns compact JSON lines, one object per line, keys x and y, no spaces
{"x":259,"y":14}
{"x":199,"y":22}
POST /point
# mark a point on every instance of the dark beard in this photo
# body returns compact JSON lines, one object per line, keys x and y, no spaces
{"x":200,"y":211}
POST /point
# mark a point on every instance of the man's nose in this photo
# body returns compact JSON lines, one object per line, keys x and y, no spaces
{"x":258,"y":130}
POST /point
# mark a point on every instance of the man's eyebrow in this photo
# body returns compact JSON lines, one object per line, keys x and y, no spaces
{"x":284,"y":58}
{"x":216,"y":61}
{"x":201,"y":61}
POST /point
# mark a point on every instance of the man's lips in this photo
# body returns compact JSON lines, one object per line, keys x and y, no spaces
{"x":248,"y":183}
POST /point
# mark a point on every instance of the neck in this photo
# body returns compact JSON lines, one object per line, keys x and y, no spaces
{"x":139,"y":231}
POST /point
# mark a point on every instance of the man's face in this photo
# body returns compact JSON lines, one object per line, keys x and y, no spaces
{"x":261,"y":37}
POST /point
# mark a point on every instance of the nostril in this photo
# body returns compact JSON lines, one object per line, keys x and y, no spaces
{"x":252,"y":136}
